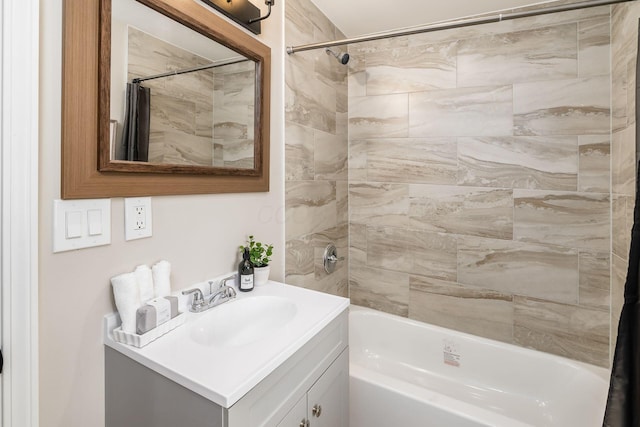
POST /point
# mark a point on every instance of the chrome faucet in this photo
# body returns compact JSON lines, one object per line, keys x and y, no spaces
{"x":223,"y":294}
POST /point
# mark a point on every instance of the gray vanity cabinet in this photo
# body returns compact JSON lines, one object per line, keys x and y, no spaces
{"x":326,"y":404}
{"x":316,"y":374}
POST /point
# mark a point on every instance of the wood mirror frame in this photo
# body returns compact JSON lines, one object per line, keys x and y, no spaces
{"x":83,"y":92}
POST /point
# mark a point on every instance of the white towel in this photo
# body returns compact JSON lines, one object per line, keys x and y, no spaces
{"x":145,"y":283}
{"x":127,"y":296}
{"x":162,"y":278}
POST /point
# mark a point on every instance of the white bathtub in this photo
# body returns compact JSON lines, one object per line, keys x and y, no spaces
{"x":410,"y":374}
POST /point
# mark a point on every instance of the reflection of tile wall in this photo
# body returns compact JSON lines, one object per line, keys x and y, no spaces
{"x":184,"y":116}
{"x":233,"y":114}
{"x":624,"y":43}
{"x":479,"y":180}
{"x":315,"y":153}
{"x":181,"y":111}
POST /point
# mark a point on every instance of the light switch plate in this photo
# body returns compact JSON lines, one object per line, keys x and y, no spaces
{"x":72,"y":220}
{"x":137,"y":218}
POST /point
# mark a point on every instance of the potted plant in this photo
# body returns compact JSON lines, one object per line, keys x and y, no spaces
{"x":260,"y":256}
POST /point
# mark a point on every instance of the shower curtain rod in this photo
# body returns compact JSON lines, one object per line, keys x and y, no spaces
{"x":187,"y":70}
{"x":447,"y":25}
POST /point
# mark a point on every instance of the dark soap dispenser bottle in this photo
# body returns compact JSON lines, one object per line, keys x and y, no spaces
{"x":245,"y":272}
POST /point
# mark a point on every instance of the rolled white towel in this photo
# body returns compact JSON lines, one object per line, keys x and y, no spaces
{"x":127,"y":296}
{"x":145,"y":283}
{"x":162,"y":278}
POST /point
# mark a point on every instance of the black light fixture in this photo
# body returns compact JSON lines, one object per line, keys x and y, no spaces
{"x":241,"y":11}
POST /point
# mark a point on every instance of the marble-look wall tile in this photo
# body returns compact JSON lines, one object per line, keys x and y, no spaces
{"x":316,"y":152}
{"x":357,"y":245}
{"x":170,"y":114}
{"x":542,"y":271}
{"x":310,"y":207}
{"x":530,"y":55}
{"x":511,"y":26}
{"x":478,"y":111}
{"x":623,"y":161}
{"x":427,"y":160}
{"x":595,"y":280}
{"x":342,"y":203}
{"x":574,"y":220}
{"x":477,"y":311}
{"x":298,"y":25}
{"x":462,"y":210}
{"x":309,"y":102}
{"x":620,"y":56}
{"x":330,"y":156}
{"x":595,"y":158}
{"x":357,"y":82}
{"x":180,"y":149}
{"x":566,"y":330}
{"x":319,"y":25}
{"x":424,"y":253}
{"x":434,"y":254}
{"x":337,"y":282}
{"x":388,"y":248}
{"x":518,"y":162}
{"x":238,"y":153}
{"x":621,"y":235}
{"x":357,"y":160}
{"x":379,"y":204}
{"x":366,"y":48}
{"x":299,"y":262}
{"x":621,"y":224}
{"x":456,"y":237}
{"x":411,"y":69}
{"x":631,"y":91}
{"x":594,"y":47}
{"x":619,"y":268}
{"x":333,"y":73}
{"x":562,"y":107}
{"x":299,"y":143}
{"x":379,"y":116}
{"x":380,"y":289}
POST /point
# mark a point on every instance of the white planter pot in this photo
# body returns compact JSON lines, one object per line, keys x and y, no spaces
{"x":261,"y":275}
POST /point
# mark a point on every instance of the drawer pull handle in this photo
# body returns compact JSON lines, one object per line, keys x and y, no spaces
{"x":304,"y":423}
{"x":316,"y":411}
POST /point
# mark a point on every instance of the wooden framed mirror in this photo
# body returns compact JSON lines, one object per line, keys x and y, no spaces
{"x":237,"y":157}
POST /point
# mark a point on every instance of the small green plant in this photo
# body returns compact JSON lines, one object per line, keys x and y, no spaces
{"x":259,"y":253}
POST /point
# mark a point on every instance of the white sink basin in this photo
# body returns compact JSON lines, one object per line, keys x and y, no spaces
{"x":222,"y":353}
{"x":244,"y":321}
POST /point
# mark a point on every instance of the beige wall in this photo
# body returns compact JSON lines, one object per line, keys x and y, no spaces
{"x":624,"y":44}
{"x":197,"y":234}
{"x":316,"y":152}
{"x":479,"y":180}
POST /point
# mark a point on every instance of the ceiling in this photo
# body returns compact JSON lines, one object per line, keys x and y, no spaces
{"x":359,"y":17}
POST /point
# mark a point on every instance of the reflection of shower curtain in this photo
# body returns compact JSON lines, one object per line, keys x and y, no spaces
{"x":134,"y":144}
{"x":623,"y":403}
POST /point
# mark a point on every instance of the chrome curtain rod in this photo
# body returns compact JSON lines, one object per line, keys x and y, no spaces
{"x":447,"y":25}
{"x":187,"y":70}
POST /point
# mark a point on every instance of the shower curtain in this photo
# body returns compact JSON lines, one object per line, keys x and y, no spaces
{"x":134,"y":144}
{"x":623,"y":402}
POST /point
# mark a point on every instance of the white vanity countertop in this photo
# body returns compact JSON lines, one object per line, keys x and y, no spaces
{"x":223,"y":374}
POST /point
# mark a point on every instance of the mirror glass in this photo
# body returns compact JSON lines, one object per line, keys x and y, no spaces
{"x":178,"y":97}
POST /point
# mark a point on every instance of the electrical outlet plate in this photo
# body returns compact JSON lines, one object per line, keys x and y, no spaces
{"x":137,"y":218}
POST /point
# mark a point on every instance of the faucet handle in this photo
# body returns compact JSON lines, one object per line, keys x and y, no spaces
{"x":223,"y":282}
{"x":198,"y":298}
{"x":231,"y":292}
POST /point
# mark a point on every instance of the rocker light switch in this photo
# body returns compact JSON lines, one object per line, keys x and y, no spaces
{"x":73,"y":224}
{"x":94,"y":219}
{"x":81,"y":224}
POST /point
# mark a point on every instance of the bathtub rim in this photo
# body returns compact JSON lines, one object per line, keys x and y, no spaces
{"x":599,"y":371}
